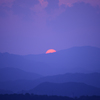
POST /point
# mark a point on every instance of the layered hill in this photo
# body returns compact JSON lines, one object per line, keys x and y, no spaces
{"x":77,"y":59}
{"x":12,"y":74}
{"x":92,"y":79}
{"x":65,"y":89}
{"x":89,"y":78}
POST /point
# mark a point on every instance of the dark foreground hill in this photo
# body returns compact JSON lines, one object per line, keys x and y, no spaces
{"x":11,"y":74}
{"x":76,"y":59}
{"x":65,"y":89}
{"x":44,"y":97}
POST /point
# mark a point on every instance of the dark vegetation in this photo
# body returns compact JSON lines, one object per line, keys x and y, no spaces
{"x":44,"y":97}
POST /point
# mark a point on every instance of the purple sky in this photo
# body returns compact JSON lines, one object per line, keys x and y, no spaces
{"x":34,"y":26}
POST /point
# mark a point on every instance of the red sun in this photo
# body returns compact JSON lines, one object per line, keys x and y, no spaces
{"x":50,"y":51}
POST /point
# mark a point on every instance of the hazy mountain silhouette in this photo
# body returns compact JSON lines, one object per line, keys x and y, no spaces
{"x":12,"y":74}
{"x":76,"y":59}
{"x":65,"y":89}
{"x":73,"y":61}
{"x":92,"y":79}
{"x":18,"y":61}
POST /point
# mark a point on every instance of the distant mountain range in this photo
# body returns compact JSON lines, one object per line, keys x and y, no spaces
{"x":11,"y":74}
{"x":65,"y":89}
{"x":18,"y":61}
{"x":90,"y":78}
{"x":20,"y":74}
{"x":77,"y":59}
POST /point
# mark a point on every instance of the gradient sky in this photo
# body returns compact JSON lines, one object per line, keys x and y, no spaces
{"x":34,"y":26}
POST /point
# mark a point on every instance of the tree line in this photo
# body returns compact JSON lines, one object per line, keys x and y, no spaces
{"x":28,"y":96}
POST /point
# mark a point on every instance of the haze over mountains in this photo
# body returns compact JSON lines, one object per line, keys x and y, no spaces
{"x":92,"y":79}
{"x":67,"y":69}
{"x":31,"y":28}
{"x":12,"y":74}
{"x":77,"y":59}
{"x":65,"y":89}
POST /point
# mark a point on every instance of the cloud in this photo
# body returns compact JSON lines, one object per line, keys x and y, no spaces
{"x":40,"y":16}
{"x":40,"y":6}
{"x":56,"y":12}
{"x":30,"y":25}
{"x":6,"y":3}
{"x":43,"y":3}
{"x":71,"y":2}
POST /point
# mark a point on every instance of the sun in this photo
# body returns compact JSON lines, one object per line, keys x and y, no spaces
{"x":50,"y":51}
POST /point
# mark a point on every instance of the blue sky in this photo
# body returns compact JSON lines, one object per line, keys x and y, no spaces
{"x":34,"y":26}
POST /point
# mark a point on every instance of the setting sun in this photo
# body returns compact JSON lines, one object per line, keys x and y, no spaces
{"x":50,"y":51}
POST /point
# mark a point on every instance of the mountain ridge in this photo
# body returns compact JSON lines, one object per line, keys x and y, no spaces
{"x":9,"y":73}
{"x":65,"y":89}
{"x":84,"y":59}
{"x":92,"y":79}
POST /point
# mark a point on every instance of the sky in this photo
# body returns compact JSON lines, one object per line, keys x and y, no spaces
{"x":34,"y":26}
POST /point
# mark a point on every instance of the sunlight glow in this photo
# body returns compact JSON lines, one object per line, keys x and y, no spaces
{"x":50,"y":51}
